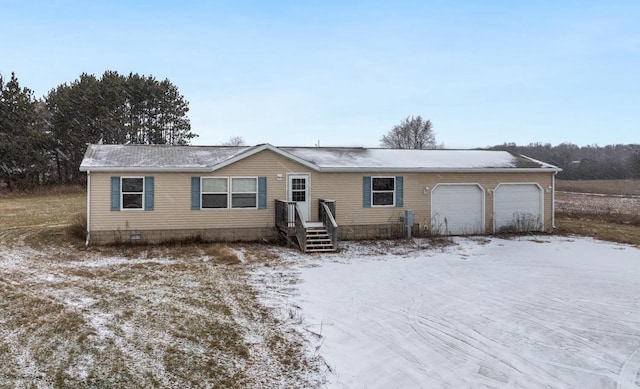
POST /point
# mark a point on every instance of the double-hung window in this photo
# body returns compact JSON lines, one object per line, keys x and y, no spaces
{"x":132,"y":193}
{"x":228,"y":193}
{"x":383,"y":191}
{"x":215,"y":192}
{"x":244,"y":192}
{"x":218,"y":192}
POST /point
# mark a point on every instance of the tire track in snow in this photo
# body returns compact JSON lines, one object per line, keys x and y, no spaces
{"x":474,"y":345}
{"x":627,"y":378}
{"x":500,"y":352}
{"x":459,"y":341}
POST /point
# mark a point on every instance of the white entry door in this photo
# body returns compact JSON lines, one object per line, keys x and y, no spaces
{"x":298,"y":191}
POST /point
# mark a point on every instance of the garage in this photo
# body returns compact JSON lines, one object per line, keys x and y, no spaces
{"x":518,"y":208}
{"x":457,"y":209}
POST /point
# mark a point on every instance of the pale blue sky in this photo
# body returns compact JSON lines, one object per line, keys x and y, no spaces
{"x":344,"y":72}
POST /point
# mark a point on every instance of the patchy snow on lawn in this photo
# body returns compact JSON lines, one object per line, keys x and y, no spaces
{"x":169,"y":318}
{"x":538,"y":312}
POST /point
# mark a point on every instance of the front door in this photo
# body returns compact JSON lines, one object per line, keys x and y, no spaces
{"x":299,"y":192}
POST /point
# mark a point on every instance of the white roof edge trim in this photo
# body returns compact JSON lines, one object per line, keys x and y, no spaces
{"x":547,"y":165}
{"x":436,"y":170}
{"x":145,"y":169}
{"x":257,"y":149}
{"x":329,"y":170}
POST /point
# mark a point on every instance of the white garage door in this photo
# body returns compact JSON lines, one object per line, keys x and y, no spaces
{"x":457,"y":209}
{"x":518,"y":207}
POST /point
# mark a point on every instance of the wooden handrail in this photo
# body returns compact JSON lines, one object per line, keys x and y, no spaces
{"x":330,"y":223}
{"x":301,"y":229}
{"x":285,"y":214}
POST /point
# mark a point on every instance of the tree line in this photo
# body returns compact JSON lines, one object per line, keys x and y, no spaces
{"x":592,"y":162}
{"x":578,"y":163}
{"x":42,"y":141}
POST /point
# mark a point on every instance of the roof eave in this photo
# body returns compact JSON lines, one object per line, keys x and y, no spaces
{"x":139,"y":169}
{"x":438,"y":170}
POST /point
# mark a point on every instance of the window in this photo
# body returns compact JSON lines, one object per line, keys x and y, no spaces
{"x":382,"y":191}
{"x":298,"y":189}
{"x":244,"y":192}
{"x":214,"y":192}
{"x":217,"y":193}
{"x":132,"y":192}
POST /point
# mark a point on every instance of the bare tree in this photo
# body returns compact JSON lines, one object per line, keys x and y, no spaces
{"x":411,"y":133}
{"x":235,"y":141}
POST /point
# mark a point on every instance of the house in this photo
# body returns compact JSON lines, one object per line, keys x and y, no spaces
{"x":312,"y":195}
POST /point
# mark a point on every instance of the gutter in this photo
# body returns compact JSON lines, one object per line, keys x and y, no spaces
{"x":88,"y":207}
{"x":378,"y":169}
{"x":145,"y":169}
{"x":436,"y":170}
{"x":553,"y":200}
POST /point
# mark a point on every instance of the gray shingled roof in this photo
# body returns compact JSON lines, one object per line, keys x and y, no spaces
{"x":157,"y":157}
{"x":210,"y":158}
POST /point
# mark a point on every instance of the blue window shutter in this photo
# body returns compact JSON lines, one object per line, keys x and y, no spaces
{"x":115,"y":193}
{"x":366,"y":192}
{"x":262,"y":192}
{"x":195,"y":193}
{"x":399,"y":191}
{"x":148,"y":194}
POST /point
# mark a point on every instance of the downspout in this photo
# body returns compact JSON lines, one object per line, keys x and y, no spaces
{"x":553,"y":200}
{"x":88,"y":207}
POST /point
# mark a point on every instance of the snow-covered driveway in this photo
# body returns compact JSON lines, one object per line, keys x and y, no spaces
{"x":533,"y":313}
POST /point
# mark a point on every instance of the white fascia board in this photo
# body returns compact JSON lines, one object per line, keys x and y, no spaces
{"x":437,"y":170}
{"x":543,"y":164}
{"x":260,"y":148}
{"x":138,"y":169}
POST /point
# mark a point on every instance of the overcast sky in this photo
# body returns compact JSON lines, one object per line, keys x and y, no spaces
{"x":344,"y":72}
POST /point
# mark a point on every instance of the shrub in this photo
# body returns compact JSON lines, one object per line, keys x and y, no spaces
{"x":78,"y":227}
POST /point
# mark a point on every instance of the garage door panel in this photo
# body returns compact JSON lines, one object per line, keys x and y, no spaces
{"x":457,"y":210}
{"x":518,"y":207}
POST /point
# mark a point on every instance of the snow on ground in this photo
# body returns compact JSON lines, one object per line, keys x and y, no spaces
{"x":170,"y":318}
{"x":540,"y":312}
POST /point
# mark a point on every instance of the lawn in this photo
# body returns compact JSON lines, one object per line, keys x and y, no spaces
{"x":133,"y":316}
{"x":529,"y":312}
{"x":537,"y":312}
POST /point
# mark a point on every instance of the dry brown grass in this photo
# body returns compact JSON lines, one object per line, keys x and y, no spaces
{"x":614,"y":187}
{"x":40,"y":219}
{"x":614,"y":217}
{"x":43,"y":191}
{"x":180,"y":315}
{"x":598,"y":227}
{"x":221,"y":253}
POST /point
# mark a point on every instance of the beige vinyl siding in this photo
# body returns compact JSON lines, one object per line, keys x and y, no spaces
{"x":346,"y":189}
{"x":173,"y":197}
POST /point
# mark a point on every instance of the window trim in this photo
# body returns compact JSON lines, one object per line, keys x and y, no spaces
{"x":122,"y":193}
{"x":202,"y":192}
{"x":231,"y":192}
{"x":392,"y":191}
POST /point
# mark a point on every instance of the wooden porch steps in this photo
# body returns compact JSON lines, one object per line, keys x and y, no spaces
{"x":318,"y":240}
{"x":309,"y":236}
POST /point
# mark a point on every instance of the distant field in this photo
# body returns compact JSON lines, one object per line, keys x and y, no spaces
{"x":615,"y":187}
{"x":603,"y":209}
